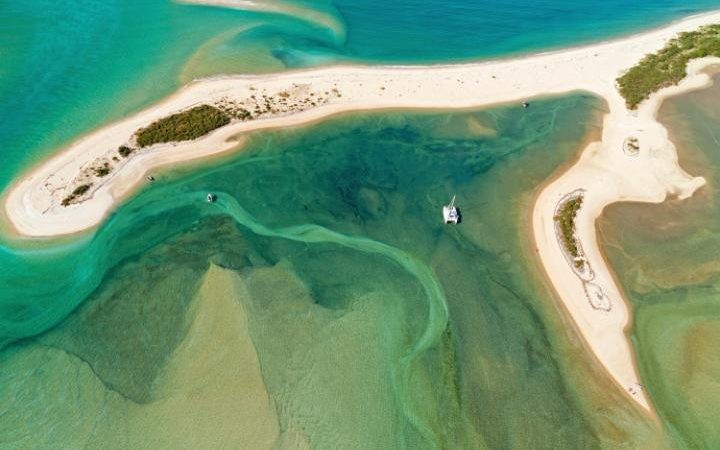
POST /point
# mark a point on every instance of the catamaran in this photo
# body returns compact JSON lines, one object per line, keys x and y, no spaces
{"x":450,"y":212}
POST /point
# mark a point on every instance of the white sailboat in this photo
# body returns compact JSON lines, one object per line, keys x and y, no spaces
{"x":450,"y":212}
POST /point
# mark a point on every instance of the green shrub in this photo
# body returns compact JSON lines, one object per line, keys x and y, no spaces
{"x":125,"y":151}
{"x":566,"y":220}
{"x":78,"y":191}
{"x":242,"y":114}
{"x":669,"y":65}
{"x":101,"y":171}
{"x":184,"y":126}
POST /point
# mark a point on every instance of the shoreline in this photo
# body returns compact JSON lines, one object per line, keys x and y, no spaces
{"x":560,"y":305}
{"x":532,"y":257}
{"x":673,"y":27}
{"x":604,"y":171}
{"x":603,"y":187}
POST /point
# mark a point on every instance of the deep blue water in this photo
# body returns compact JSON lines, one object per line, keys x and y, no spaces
{"x":449,"y":29}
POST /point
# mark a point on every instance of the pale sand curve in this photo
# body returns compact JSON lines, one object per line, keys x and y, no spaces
{"x":605,"y":172}
{"x":330,"y":21}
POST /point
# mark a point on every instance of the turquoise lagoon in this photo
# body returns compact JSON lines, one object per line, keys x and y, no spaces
{"x":320,"y":292}
{"x":367,"y":322}
{"x":667,"y":259}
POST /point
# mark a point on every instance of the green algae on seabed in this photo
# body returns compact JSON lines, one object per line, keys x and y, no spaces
{"x":437,"y":315}
{"x":666,"y":257}
{"x":354,"y":350}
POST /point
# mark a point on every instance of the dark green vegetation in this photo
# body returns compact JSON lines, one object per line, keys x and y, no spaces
{"x":102,"y":170}
{"x":566,"y":219}
{"x":80,"y":190}
{"x":184,"y":126}
{"x":125,"y":151}
{"x":668,"y":66}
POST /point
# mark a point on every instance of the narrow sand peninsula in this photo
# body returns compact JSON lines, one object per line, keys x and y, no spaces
{"x":608,"y":171}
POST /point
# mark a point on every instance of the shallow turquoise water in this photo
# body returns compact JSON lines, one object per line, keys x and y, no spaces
{"x":373,"y":325}
{"x":667,"y":259}
{"x":352,"y":282}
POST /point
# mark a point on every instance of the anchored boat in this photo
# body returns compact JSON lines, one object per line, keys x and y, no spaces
{"x":450,"y":212}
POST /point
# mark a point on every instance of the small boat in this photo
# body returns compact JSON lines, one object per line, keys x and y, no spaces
{"x":450,"y":212}
{"x":211,"y":198}
{"x":525,"y":104}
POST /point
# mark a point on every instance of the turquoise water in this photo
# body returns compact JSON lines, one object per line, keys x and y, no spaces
{"x":359,"y":319}
{"x":69,"y":67}
{"x":667,"y":259}
{"x":374,"y":325}
{"x":422,"y":30}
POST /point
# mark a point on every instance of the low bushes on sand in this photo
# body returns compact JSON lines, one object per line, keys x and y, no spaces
{"x":183,"y":126}
{"x":125,"y":151}
{"x":566,"y":220}
{"x":77,"y":192}
{"x":669,"y":65}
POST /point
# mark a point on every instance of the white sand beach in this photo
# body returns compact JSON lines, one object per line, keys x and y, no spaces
{"x":605,"y":172}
